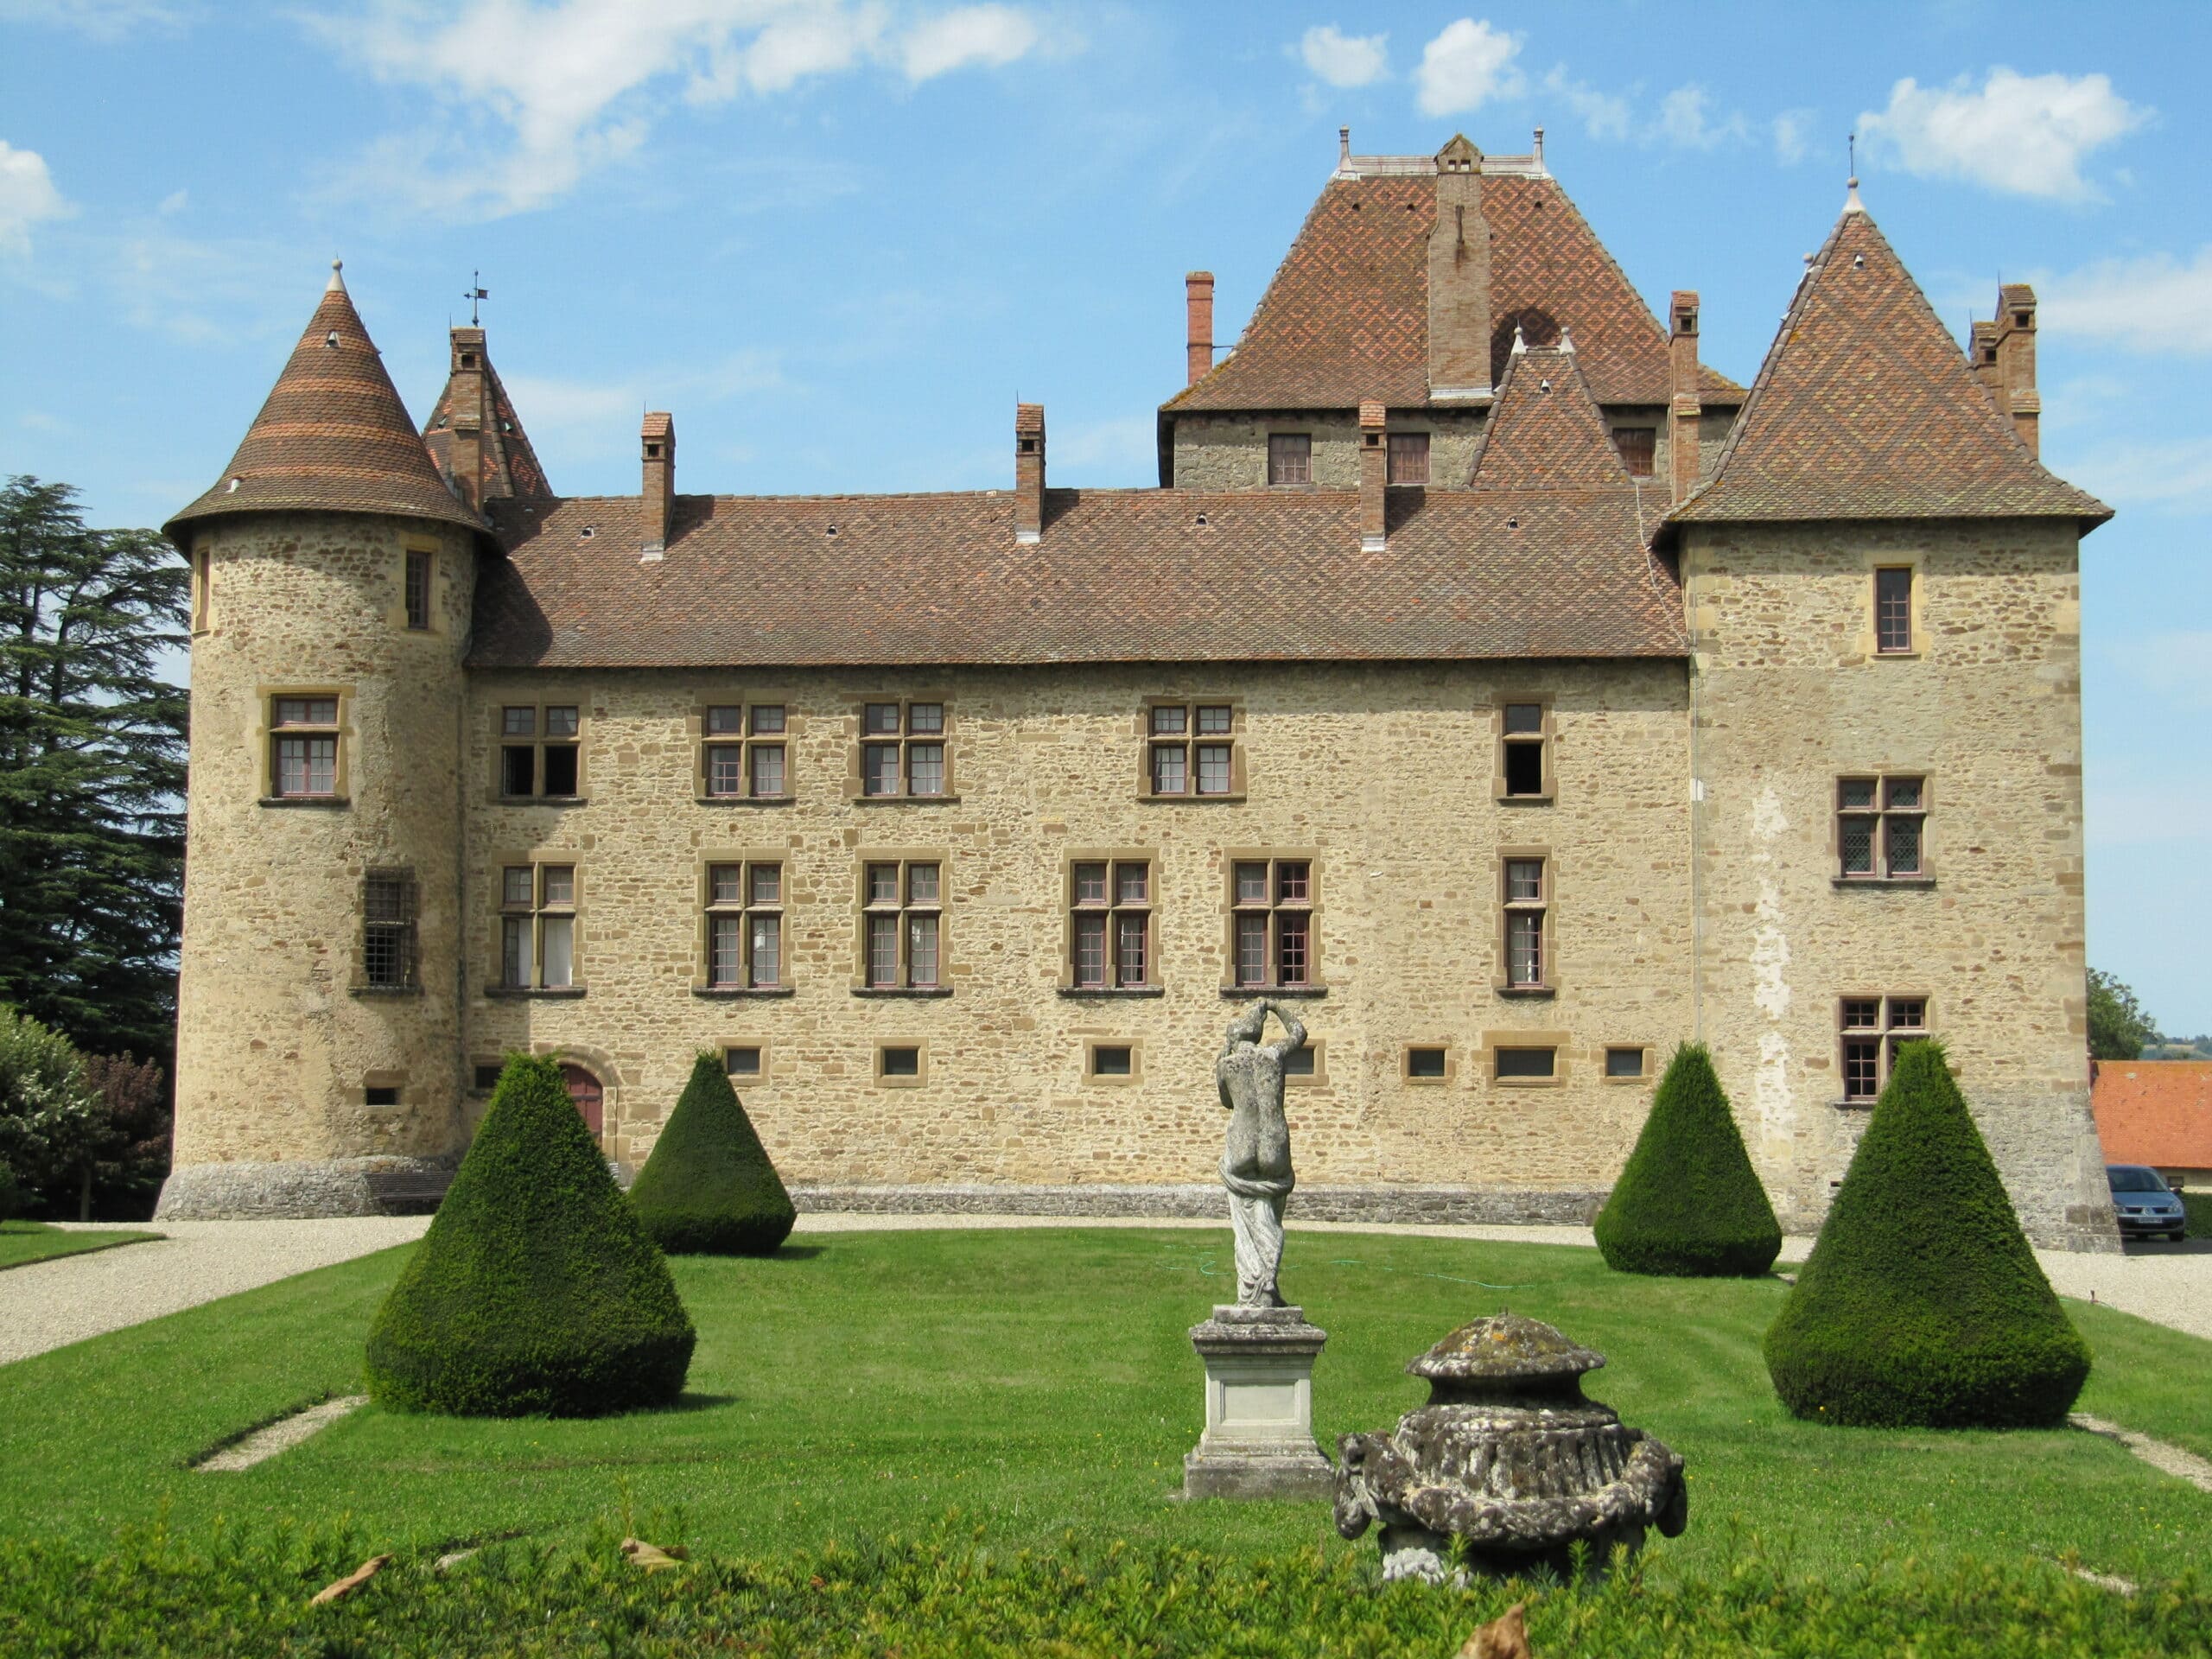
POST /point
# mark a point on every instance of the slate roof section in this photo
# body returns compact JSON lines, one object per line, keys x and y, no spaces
{"x":1866,"y":408}
{"x":2154,"y":1112}
{"x":510,"y":465}
{"x":1346,"y":315}
{"x":1545,"y":433}
{"x":333,"y":436}
{"x":1119,"y":575}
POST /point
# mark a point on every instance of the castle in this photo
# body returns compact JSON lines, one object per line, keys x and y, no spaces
{"x":1487,"y":671}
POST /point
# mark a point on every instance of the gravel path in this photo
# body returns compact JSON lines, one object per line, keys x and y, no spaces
{"x":49,"y":1303}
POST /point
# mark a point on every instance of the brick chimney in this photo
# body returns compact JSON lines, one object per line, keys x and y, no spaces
{"x":466,"y":455}
{"x":1197,"y":311}
{"x":1459,"y":280}
{"x":2016,"y":391}
{"x":657,"y":446}
{"x":1028,"y":472}
{"x":1981,"y":353}
{"x":1374,"y":473}
{"x":1684,"y":409}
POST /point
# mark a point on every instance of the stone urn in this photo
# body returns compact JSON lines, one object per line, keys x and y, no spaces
{"x":1511,"y":1458}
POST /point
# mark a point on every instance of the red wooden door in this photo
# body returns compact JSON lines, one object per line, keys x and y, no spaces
{"x":584,"y":1090}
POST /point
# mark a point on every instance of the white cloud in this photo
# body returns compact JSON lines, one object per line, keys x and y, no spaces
{"x":1685,"y":122}
{"x":991,"y":35}
{"x":1603,"y":114}
{"x":101,"y":19}
{"x":2027,"y":135}
{"x":1791,"y":129}
{"x":27,"y":197}
{"x":1466,"y":65}
{"x":2156,"y":304}
{"x":2174,"y":474}
{"x":1343,"y":60}
{"x":174,"y":203}
{"x":578,"y":84}
{"x":549,"y":405}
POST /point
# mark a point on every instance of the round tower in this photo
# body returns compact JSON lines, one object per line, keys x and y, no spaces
{"x":319,"y":1054}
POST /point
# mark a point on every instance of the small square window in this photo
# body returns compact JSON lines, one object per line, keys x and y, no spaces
{"x":1170,"y":719}
{"x":1425,"y":1063}
{"x":1299,"y":1064}
{"x":880,"y":720}
{"x":1524,"y":719}
{"x":1528,"y":1062}
{"x":1409,"y":458}
{"x":1111,"y":1060}
{"x":519,"y":723}
{"x":1214,"y":719}
{"x":921,"y":884}
{"x":383,"y":1094}
{"x":1290,"y":458}
{"x":896,"y":1060}
{"x":925,"y":718}
{"x":1624,"y":1062}
{"x":560,"y":722}
{"x":741,"y":1062}
{"x":1639,"y":447}
{"x":727,"y":721}
{"x":487,"y":1078}
{"x":767,"y":719}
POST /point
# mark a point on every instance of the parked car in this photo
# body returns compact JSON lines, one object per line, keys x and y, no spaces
{"x":2144,"y":1204}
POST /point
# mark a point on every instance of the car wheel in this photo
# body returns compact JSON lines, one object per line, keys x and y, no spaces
{"x":2177,"y":1237}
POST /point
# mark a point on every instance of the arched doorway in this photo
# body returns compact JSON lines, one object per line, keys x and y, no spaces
{"x":584,"y":1090}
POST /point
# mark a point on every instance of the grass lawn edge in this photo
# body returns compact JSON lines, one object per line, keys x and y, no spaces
{"x":60,"y":1244}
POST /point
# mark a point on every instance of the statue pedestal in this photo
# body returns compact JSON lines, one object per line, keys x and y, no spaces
{"x":1259,"y":1434}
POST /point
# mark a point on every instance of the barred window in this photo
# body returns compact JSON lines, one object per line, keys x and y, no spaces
{"x":1872,"y":1030}
{"x":1409,"y":458}
{"x":1893,"y":609}
{"x":743,"y":754}
{"x":1290,"y":458}
{"x":539,"y":751}
{"x":902,"y":924}
{"x":1111,"y":924}
{"x":1271,"y":921}
{"x":418,"y":588}
{"x":388,"y":929}
{"x":537,"y":926}
{"x":303,"y":748}
{"x":902,"y":750}
{"x":1639,"y":447}
{"x":1880,"y":826}
{"x":744,"y":930}
{"x":1528,"y":910}
{"x":1192,"y":749}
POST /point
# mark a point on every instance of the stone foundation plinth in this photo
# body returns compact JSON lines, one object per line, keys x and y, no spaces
{"x":1259,"y":1434}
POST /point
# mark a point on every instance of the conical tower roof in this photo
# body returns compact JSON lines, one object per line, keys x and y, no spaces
{"x":333,"y":436}
{"x":508,"y":465}
{"x":1866,"y":408}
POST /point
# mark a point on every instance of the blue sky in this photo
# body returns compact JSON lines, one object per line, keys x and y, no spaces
{"x":838,"y":240}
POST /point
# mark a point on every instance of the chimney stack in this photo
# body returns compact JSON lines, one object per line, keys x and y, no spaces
{"x":1459,"y":280}
{"x":2015,"y":332}
{"x":1028,"y":472}
{"x":466,"y":455}
{"x":1981,"y":353}
{"x":1684,"y":410}
{"x":1198,"y":310}
{"x":1374,"y":473}
{"x":657,"y":442}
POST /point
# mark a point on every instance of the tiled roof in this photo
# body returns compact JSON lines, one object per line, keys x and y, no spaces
{"x":1346,"y":316}
{"x":2156,"y":1112}
{"x":1545,"y":432}
{"x":332,"y":436}
{"x":510,"y":465}
{"x":1119,"y":575}
{"x":1866,"y":408}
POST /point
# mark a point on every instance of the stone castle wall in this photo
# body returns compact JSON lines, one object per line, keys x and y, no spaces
{"x":1791,"y":694}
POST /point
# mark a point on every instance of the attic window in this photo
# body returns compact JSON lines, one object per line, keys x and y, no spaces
{"x":1858,"y":262}
{"x":585,"y":533}
{"x":331,"y":338}
{"x":832,"y":531}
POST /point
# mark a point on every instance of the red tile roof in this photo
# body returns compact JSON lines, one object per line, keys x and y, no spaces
{"x":333,"y":436}
{"x":1866,"y":408}
{"x":510,"y":465}
{"x":2154,"y":1112}
{"x":1346,"y":316}
{"x":1119,"y":575}
{"x":1545,"y":432}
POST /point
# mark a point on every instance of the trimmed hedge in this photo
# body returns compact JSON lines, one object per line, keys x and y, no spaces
{"x":709,"y":1188}
{"x":535,"y":1290}
{"x":1922,"y":1305}
{"x":1689,"y":1204}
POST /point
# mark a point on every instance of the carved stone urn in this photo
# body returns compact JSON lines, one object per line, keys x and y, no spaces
{"x":1509,"y":1457}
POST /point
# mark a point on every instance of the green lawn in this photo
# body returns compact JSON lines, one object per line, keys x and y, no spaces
{"x":1040,"y":1381}
{"x":33,"y":1241}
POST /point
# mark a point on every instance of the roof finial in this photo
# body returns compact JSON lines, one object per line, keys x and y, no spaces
{"x":1566,"y":340}
{"x":1540,"y":149}
{"x":1343,"y":149}
{"x":472,"y":295}
{"x":1850,"y":203}
{"x":1520,"y":342}
{"x":337,"y":284}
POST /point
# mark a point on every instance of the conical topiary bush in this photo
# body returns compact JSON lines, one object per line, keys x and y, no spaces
{"x":1921,"y":1304}
{"x":1689,"y":1203}
{"x":709,"y":1188}
{"x":535,"y":1290}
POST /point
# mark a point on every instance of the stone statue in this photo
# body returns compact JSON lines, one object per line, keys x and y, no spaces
{"x":1255,"y":1155}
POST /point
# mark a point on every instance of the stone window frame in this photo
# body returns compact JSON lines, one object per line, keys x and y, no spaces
{"x":1880,"y":812}
{"x":340,"y":729}
{"x":761,"y":1048}
{"x":478,"y":1088}
{"x":418,"y":619}
{"x":382,"y":1082}
{"x":203,"y":585}
{"x":855,"y":762}
{"x":1319,"y":1077}
{"x":1545,"y":740}
{"x":1111,"y":857}
{"x":538,"y":860}
{"x":538,"y":740}
{"x":1870,"y":637}
{"x":705,"y":742}
{"x":949,"y":975}
{"x":1558,"y":1041}
{"x":1445,"y":1079}
{"x":885,"y":1080}
{"x":1305,"y":464}
{"x":1887,"y":1035}
{"x":1601,"y":1062}
{"x":1148,"y":741}
{"x":1131,"y":1078}
{"x":1314,"y":984}
{"x":745,"y":859}
{"x":1501,"y":981}
{"x":406,"y":932}
{"x":1391,"y":450}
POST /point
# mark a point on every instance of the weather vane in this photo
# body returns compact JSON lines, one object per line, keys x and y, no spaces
{"x":1851,"y":148}
{"x":474,"y":294}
